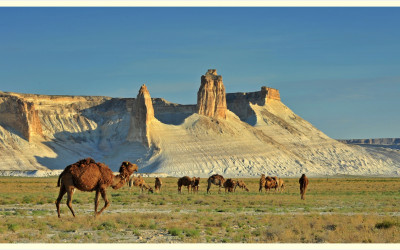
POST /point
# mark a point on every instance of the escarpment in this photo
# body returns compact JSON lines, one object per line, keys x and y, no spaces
{"x":234,"y":134}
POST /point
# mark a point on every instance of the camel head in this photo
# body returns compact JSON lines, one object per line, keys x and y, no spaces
{"x":127,"y":169}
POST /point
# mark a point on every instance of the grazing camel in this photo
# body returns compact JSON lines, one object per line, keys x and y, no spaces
{"x":215,"y":179}
{"x":87,"y":175}
{"x":303,"y":186}
{"x":241,"y":184}
{"x":262,"y":182}
{"x":139,"y":182}
{"x":157,"y":184}
{"x":229,"y":185}
{"x":195,"y":184}
{"x":184,"y":181}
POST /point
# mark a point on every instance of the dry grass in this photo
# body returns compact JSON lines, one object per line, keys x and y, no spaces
{"x":338,"y":210}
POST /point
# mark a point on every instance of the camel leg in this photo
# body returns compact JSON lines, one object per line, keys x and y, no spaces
{"x":188,"y":188}
{"x":208,"y":187}
{"x":70,"y":193}
{"x":96,"y":201}
{"x":60,"y":196}
{"x":106,"y":201}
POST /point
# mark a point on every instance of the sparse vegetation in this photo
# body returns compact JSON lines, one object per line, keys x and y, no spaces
{"x":339,"y":210}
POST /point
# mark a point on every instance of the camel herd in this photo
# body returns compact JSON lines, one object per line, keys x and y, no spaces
{"x":87,"y":175}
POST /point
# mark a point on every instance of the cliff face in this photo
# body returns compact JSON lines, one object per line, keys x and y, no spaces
{"x":20,"y":115}
{"x":211,"y":97}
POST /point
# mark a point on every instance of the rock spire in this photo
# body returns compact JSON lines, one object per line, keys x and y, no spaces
{"x":143,"y":115}
{"x":211,"y":97}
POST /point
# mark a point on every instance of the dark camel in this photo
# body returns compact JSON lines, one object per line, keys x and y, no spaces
{"x":215,"y":179}
{"x":157,"y":184}
{"x":87,"y":175}
{"x":184,"y":181}
{"x":303,"y":181}
{"x":229,"y":185}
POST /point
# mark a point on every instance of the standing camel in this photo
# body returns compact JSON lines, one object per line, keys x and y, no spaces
{"x":87,"y":175}
{"x":215,"y":179}
{"x":157,"y":184}
{"x":262,"y":182}
{"x":195,"y":184}
{"x":230,"y":185}
{"x":184,"y":181}
{"x":303,"y":186}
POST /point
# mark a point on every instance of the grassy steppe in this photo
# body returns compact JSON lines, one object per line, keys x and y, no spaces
{"x":336,"y":210}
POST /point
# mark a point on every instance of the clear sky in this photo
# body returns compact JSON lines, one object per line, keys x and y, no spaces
{"x":338,"y":68}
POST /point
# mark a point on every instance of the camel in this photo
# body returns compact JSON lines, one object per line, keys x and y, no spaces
{"x":269,"y":183}
{"x":280,"y":184}
{"x":139,"y":182}
{"x":229,"y":185}
{"x":87,"y":175}
{"x":262,"y":182}
{"x":241,"y":184}
{"x":215,"y":179}
{"x":184,"y":181}
{"x":303,"y":181}
{"x":157,"y":184}
{"x":195,"y":184}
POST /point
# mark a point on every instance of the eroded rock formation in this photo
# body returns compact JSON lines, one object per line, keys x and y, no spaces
{"x":142,"y":117}
{"x":21,"y":116}
{"x":211,"y":97}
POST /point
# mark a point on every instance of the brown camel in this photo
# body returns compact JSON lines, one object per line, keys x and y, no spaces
{"x":139,"y":182}
{"x":262,"y":182}
{"x":87,"y":175}
{"x":229,"y":185}
{"x":241,"y":184}
{"x":215,"y":179}
{"x":184,"y":181}
{"x":195,"y":184}
{"x":157,"y":184}
{"x":269,"y":183}
{"x":303,"y":186}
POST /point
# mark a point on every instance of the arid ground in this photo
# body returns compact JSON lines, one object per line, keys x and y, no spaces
{"x":337,"y":210}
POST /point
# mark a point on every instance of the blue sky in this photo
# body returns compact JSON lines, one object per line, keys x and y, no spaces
{"x":338,"y":68}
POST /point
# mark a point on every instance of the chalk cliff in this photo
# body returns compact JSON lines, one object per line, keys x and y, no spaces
{"x":234,"y":134}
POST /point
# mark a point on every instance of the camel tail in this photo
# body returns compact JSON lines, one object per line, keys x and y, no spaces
{"x":59,"y":179}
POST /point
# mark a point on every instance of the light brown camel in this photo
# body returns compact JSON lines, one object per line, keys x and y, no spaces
{"x":157,"y":184}
{"x":303,"y":181}
{"x":139,"y":182}
{"x":280,"y":184}
{"x":215,"y":179}
{"x":87,"y":175}
{"x":241,"y":184}
{"x":195,"y":184}
{"x":184,"y":181}
{"x":262,"y":183}
{"x":229,"y":185}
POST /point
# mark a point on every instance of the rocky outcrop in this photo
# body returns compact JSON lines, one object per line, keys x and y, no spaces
{"x":239,"y":103}
{"x":20,"y":115}
{"x":211,"y":97}
{"x":143,"y":115}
